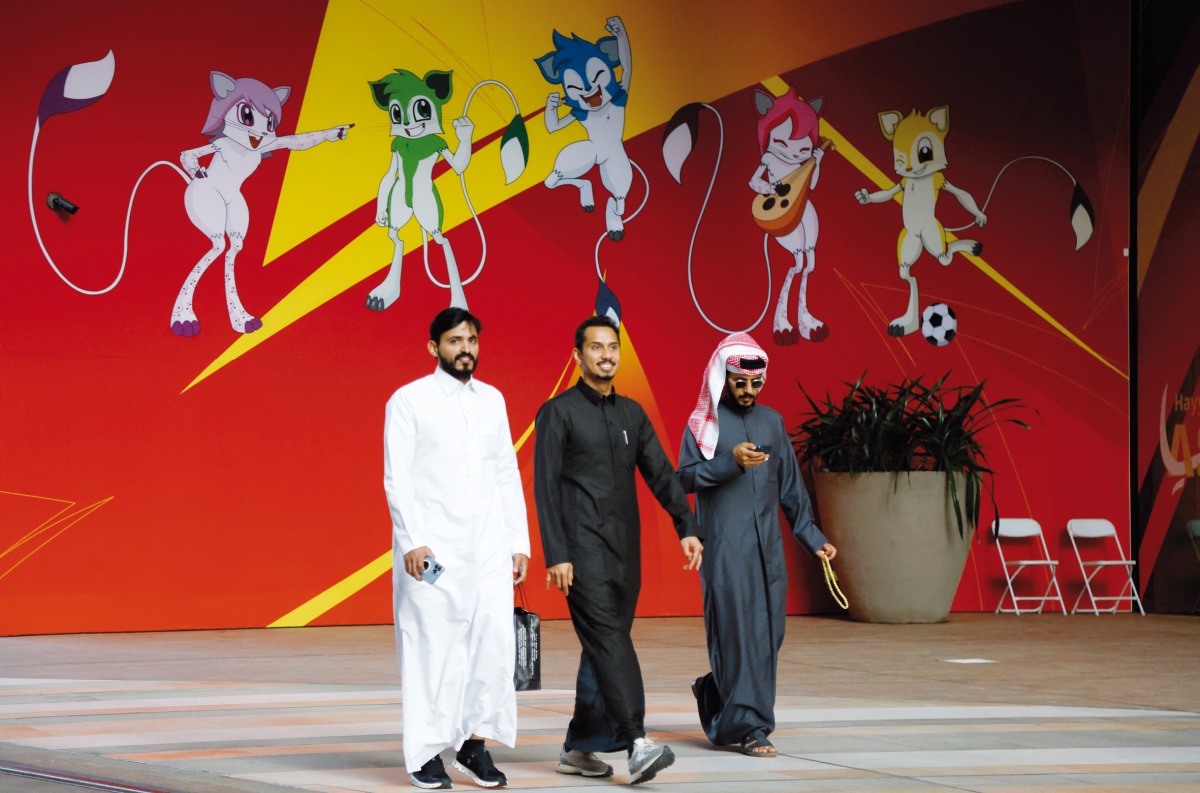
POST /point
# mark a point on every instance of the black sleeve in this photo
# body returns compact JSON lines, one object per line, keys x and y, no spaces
{"x":660,"y":477}
{"x":548,"y":451}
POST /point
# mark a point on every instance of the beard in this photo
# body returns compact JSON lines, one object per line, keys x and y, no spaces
{"x":738,"y":407}
{"x":602,"y":376}
{"x":451,"y":366}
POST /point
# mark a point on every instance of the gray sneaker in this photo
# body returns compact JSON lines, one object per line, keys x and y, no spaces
{"x":647,"y":759}
{"x":582,"y":763}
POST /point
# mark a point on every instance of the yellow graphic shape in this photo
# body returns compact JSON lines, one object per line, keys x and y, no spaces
{"x":631,"y":369}
{"x":339,"y":592}
{"x":363,"y":40}
{"x":856,"y":158}
{"x":43,"y":533}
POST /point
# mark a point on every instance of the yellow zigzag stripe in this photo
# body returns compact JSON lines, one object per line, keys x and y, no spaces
{"x":856,"y":158}
{"x":358,"y":580}
{"x":337,"y":593}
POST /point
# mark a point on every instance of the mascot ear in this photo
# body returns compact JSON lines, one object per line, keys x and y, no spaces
{"x":546,"y":64}
{"x":439,"y":83}
{"x":763,"y":102}
{"x":379,"y":94}
{"x":609,"y":48}
{"x":283,"y":92}
{"x":940,"y":118}
{"x":888,"y":121}
{"x":816,"y":104}
{"x":222,"y":84}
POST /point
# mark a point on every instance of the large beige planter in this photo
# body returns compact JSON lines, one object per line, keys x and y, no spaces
{"x":900,"y":556}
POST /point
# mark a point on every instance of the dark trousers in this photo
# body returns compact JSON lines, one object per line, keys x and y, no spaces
{"x":610,"y":702}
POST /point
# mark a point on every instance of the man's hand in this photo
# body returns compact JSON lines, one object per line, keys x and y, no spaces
{"x":692,"y":551}
{"x":745,"y":456}
{"x":520,"y":567}
{"x":562,"y":575}
{"x":827,"y":551}
{"x":414,"y":561}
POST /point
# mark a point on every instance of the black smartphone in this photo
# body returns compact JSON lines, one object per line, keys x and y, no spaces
{"x":433,"y":569}
{"x":764,"y":449}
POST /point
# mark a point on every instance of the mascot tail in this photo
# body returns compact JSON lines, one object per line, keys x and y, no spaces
{"x":679,"y":138}
{"x":1082,"y":216}
{"x":74,"y":88}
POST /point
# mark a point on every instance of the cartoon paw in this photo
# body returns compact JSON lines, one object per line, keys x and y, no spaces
{"x":383,"y":295}
{"x":612,"y":218}
{"x":186,"y":328}
{"x":252,"y":324}
{"x":977,"y":249}
{"x":898,"y":327}
{"x":816,"y":330}
{"x":787,"y":337}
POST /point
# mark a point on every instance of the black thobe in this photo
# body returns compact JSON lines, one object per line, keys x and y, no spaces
{"x":588,"y":446}
{"x":744,"y":576}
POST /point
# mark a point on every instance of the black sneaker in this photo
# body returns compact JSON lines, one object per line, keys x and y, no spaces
{"x":474,"y":761}
{"x":432,"y":775}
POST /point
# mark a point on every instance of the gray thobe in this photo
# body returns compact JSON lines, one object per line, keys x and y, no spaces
{"x":744,"y":575}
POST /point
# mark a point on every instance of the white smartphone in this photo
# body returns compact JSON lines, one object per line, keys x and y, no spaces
{"x":433,"y":569}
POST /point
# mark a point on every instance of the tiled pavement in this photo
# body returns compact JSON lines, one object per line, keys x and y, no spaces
{"x":984,"y":703}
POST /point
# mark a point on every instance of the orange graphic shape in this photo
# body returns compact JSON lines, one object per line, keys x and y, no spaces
{"x":32,"y":522}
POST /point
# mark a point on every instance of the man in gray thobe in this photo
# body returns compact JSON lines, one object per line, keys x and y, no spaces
{"x":737,"y":458}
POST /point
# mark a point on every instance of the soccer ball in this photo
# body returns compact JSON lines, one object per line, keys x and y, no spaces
{"x":938,"y":324}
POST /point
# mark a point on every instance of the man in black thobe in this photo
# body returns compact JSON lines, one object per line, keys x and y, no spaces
{"x":737,"y":458}
{"x":589,"y":442}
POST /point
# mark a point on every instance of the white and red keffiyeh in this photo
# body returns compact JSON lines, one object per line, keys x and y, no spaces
{"x":726,"y":358}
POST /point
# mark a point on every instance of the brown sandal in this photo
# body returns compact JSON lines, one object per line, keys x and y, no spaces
{"x":757,"y":740}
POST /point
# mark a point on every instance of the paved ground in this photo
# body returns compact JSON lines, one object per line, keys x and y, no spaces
{"x":994,"y":704}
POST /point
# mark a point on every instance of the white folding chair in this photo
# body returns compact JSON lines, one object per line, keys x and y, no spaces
{"x":1098,"y":531}
{"x":1025,"y":534}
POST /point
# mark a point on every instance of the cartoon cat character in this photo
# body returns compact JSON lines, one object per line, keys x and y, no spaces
{"x":788,"y":140}
{"x":242,"y":120}
{"x":596,"y":99}
{"x":919,"y":147}
{"x":789,"y":168}
{"x":414,"y":105}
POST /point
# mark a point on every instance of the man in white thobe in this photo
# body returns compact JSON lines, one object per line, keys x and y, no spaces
{"x":454,"y":491}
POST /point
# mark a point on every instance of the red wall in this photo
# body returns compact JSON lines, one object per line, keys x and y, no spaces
{"x":131,"y":501}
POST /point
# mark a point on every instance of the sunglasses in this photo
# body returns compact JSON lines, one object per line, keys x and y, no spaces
{"x":741,"y":383}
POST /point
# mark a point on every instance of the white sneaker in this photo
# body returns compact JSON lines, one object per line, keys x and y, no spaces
{"x":647,"y":759}
{"x":582,"y":763}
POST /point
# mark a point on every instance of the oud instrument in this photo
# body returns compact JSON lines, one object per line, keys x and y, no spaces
{"x":779,"y":213}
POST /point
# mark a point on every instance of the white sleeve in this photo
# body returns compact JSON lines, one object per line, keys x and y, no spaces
{"x":399,"y":450}
{"x":512,"y":494}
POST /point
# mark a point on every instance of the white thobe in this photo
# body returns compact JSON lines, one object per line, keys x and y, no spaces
{"x":452,"y":484}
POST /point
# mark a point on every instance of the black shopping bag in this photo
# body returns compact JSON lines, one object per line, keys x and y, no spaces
{"x":527,"y":673}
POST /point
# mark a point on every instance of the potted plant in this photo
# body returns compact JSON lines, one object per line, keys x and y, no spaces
{"x":900,"y":474}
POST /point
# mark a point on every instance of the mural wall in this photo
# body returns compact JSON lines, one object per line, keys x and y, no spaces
{"x":274,"y":200}
{"x":1168,"y":392}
